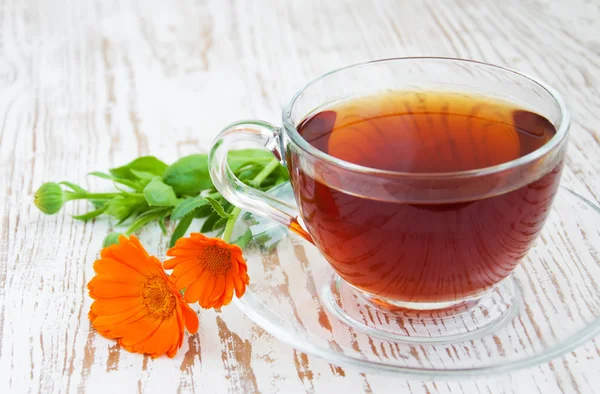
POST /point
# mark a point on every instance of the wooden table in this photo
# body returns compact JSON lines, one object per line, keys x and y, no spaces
{"x":89,"y":84}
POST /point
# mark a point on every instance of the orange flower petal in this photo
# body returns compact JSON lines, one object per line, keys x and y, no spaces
{"x":180,"y":322}
{"x":185,"y":264}
{"x":182,"y":263}
{"x":111,"y":306}
{"x":187,"y":251}
{"x":191,"y":318}
{"x":116,"y":254}
{"x":235,"y":267}
{"x":132,"y":255}
{"x":228,"y":293}
{"x":117,"y":270}
{"x":132,"y":251}
{"x":199,"y":237}
{"x":172,"y":351}
{"x":137,"y":243}
{"x":241,"y":262}
{"x":137,"y":331}
{"x":196,"y":289}
{"x":125,"y":317}
{"x":173,"y":329}
{"x":240,"y":288}
{"x":219,"y":289}
{"x":186,"y":279}
{"x":206,"y":292}
{"x":100,"y":287}
{"x":188,"y":246}
{"x":165,"y":336}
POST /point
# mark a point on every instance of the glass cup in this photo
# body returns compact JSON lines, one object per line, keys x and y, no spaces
{"x":430,"y":262}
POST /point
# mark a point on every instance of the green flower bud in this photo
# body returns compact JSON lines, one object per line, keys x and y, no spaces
{"x":49,"y":198}
{"x":111,"y":239}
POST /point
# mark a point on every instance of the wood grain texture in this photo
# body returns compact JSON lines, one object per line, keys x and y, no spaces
{"x":89,"y":84}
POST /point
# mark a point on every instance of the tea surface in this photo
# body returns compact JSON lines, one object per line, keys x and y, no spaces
{"x":426,"y":132}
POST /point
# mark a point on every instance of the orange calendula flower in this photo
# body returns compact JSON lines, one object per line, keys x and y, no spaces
{"x":136,"y":303}
{"x":209,"y":269}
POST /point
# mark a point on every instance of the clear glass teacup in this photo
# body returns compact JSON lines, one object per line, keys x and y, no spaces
{"x":420,"y":241}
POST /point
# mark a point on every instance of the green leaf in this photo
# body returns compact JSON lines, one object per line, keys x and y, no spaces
{"x":143,"y":175}
{"x":249,"y":219}
{"x":226,"y":206}
{"x":159,"y":194}
{"x":218,"y":208}
{"x":129,"y":183}
{"x":262,"y":239}
{"x":92,"y":214}
{"x":148,"y":164}
{"x":189,"y":175}
{"x":239,"y":158}
{"x":220,"y":224}
{"x":269,"y":239}
{"x":146,"y":218}
{"x":279,"y":175}
{"x":247,"y":174}
{"x":188,"y":205}
{"x":209,"y":223}
{"x":244,"y":239}
{"x":283,"y":174}
{"x":204,"y":211}
{"x":154,"y":211}
{"x":181,"y":229}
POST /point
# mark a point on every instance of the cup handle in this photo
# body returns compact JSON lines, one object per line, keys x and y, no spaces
{"x":237,"y":192}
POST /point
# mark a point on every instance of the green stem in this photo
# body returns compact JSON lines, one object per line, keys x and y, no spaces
{"x":265,"y":172}
{"x":230,"y":223}
{"x":92,"y":196}
{"x":258,"y":179}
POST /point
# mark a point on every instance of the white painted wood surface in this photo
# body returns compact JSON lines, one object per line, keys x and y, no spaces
{"x":89,"y":84}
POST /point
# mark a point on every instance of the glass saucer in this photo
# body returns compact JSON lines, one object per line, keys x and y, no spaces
{"x":554,"y":303}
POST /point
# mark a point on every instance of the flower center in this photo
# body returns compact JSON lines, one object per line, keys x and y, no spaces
{"x":216,"y":260}
{"x":158,"y":298}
